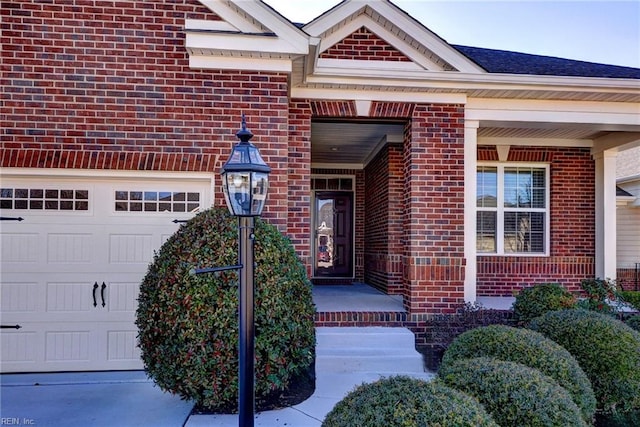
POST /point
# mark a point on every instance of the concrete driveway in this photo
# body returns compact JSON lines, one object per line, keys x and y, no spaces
{"x":96,"y":399}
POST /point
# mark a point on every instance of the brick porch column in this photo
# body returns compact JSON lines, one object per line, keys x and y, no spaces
{"x":434,"y":209}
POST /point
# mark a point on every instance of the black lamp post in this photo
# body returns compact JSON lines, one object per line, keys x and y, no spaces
{"x":245,"y":179}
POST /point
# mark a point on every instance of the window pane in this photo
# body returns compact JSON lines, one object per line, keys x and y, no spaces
{"x":486,"y":232}
{"x":524,"y":232}
{"x":487,"y":187}
{"x":524,"y":188}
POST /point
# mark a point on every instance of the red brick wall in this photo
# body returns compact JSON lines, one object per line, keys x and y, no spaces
{"x":572,"y":254}
{"x":384,"y":220}
{"x":434,"y":209}
{"x":107,"y":85}
{"x":366,"y":46}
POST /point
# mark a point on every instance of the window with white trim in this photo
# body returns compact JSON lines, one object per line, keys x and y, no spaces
{"x":512,"y":209}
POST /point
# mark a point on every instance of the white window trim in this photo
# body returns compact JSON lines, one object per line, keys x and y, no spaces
{"x":500,"y":210}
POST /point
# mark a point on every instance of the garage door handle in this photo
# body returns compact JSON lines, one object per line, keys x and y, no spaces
{"x":102,"y":293}
{"x":10,"y":326}
{"x":95,"y":286}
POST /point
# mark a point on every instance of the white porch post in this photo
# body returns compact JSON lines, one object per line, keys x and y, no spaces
{"x":606,"y":214}
{"x":470,"y":176}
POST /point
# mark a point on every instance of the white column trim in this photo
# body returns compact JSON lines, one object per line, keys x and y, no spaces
{"x":606,"y":227}
{"x":470,"y":177}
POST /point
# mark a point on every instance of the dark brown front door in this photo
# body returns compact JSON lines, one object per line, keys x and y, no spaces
{"x":333,"y":234}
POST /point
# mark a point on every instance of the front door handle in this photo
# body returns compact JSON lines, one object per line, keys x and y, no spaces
{"x":102,"y":293}
{"x":95,"y":286}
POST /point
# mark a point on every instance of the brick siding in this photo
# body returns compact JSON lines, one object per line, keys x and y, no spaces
{"x":572,"y":254}
{"x":384,"y":220}
{"x":365,"y":46}
{"x":107,"y":85}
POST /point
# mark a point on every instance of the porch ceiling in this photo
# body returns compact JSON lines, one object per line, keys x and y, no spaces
{"x":354,"y":143}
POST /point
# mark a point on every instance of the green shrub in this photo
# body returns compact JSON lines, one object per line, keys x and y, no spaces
{"x":188,"y":324}
{"x":536,"y":300}
{"x":403,"y":401}
{"x":531,"y":349}
{"x":633,"y":322}
{"x":514,"y":394}
{"x":607,"y":350}
{"x":601,"y":295}
{"x":631,"y":297}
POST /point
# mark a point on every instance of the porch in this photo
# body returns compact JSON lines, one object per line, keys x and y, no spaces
{"x":359,"y":304}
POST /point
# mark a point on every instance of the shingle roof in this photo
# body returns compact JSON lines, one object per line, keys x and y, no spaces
{"x":622,"y":193}
{"x":503,"y":61}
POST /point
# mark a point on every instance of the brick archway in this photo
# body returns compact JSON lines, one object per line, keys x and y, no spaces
{"x":419,"y":226}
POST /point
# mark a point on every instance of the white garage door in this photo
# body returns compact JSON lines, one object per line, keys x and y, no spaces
{"x":71,"y":268}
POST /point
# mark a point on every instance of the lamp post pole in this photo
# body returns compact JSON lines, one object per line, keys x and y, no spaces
{"x":246,"y":323}
{"x":244,"y":184}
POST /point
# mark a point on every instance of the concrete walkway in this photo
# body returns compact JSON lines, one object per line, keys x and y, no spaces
{"x":129,"y":399}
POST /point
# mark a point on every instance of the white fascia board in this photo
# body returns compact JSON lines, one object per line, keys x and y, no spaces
{"x":258,"y":43}
{"x":207,"y":62}
{"x":426,"y":37}
{"x":227,"y":13}
{"x":551,"y":111}
{"x":629,"y":178}
{"x":366,"y":66}
{"x":261,"y":17}
{"x":276,"y":23}
{"x":202,"y":24}
{"x":329,"y":19}
{"x":539,"y":142}
{"x":374,"y":95}
{"x":487,"y":81}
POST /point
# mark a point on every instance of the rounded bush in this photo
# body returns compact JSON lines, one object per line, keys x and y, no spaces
{"x":607,"y":350}
{"x":188,"y":324}
{"x":632,"y":298}
{"x":514,"y":394}
{"x":633,"y":322}
{"x":531,"y":349}
{"x":403,"y":401}
{"x":536,"y":300}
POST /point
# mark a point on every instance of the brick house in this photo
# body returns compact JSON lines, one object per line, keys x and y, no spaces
{"x":437,"y":172}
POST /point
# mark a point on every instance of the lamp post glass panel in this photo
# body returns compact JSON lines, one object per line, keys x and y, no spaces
{"x":245,"y":179}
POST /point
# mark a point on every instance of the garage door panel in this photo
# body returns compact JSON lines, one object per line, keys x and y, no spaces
{"x":122,"y":346}
{"x":131,"y":248}
{"x":19,"y":247}
{"x":69,"y":346}
{"x":19,"y":297}
{"x":122,"y":297}
{"x":71,"y":297}
{"x":20,"y":350}
{"x":55,"y":257}
{"x":71,"y":247}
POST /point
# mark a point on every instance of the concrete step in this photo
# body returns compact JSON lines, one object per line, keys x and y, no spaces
{"x":386,"y":351}
{"x":369,"y":337}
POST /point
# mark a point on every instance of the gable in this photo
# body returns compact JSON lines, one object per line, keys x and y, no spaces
{"x":362,"y":44}
{"x":378,"y":31}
